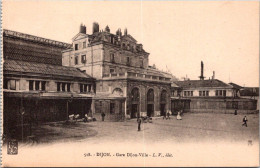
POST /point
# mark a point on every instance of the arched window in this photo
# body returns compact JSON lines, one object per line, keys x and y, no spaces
{"x":150,"y":95}
{"x":117,"y":92}
{"x":135,"y":94}
{"x":163,"y":96}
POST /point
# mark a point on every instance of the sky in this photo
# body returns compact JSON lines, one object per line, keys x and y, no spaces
{"x":177,"y":34}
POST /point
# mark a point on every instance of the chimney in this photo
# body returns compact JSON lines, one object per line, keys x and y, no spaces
{"x":125,"y":32}
{"x":82,"y":29}
{"x":202,"y":69}
{"x":95,"y":27}
{"x":107,"y":29}
{"x":213,"y":76}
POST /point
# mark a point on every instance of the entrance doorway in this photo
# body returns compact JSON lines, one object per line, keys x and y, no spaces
{"x":134,"y":110}
{"x":150,"y":110}
{"x":150,"y":103}
{"x":135,"y":101}
{"x":162,"y":109}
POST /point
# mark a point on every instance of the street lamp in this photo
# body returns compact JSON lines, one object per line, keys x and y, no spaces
{"x":69,"y":101}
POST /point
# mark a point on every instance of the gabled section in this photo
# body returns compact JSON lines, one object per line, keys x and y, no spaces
{"x":79,"y":36}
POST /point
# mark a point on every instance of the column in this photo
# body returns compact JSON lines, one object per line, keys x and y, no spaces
{"x":40,"y":85}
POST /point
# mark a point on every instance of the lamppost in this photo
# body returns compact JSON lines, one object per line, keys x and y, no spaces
{"x":69,"y":101}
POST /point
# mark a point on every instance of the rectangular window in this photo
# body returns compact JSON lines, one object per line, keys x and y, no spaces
{"x":85,"y":88}
{"x":216,"y":92}
{"x":63,"y":86}
{"x":112,"y":108}
{"x":83,"y":59}
{"x":200,"y":93}
{"x":204,"y":93}
{"x":58,"y":86}
{"x":43,"y":85}
{"x":185,"y":93}
{"x":5,"y":84}
{"x":224,"y":93}
{"x":112,"y":70}
{"x":12,"y":84}
{"x":112,"y":57}
{"x":31,"y":84}
{"x":141,"y":63}
{"x":76,"y":46}
{"x":89,"y":88}
{"x":37,"y":85}
{"x":84,"y":44}
{"x":207,"y":93}
{"x":76,"y":60}
{"x":220,"y":93}
{"x":191,"y":93}
{"x":68,"y":87}
{"x":128,"y":60}
{"x":81,"y":88}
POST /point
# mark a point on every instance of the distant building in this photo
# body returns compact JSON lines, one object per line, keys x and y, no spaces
{"x":210,"y":95}
{"x":126,"y":86}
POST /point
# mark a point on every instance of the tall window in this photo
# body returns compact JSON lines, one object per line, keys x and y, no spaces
{"x":76,"y":46}
{"x":12,"y":84}
{"x":63,"y":86}
{"x":224,"y":93}
{"x":207,"y":93}
{"x":128,"y":60}
{"x":83,"y":59}
{"x":76,"y":60}
{"x":84,"y":44}
{"x":85,"y":88}
{"x":5,"y":83}
{"x":221,"y":93}
{"x":58,"y":86}
{"x":31,"y":84}
{"x":112,"y":57}
{"x":68,"y":87}
{"x":141,"y":63}
{"x":43,"y":85}
{"x":37,"y":85}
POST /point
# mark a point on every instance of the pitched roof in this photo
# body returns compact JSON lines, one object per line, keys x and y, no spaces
{"x":42,"y":69}
{"x":201,"y":83}
{"x":33,"y":38}
{"x":236,"y":85}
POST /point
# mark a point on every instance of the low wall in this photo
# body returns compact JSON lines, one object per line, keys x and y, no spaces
{"x":223,"y":111}
{"x":216,"y":105}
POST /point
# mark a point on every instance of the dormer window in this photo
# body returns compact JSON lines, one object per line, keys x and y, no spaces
{"x":76,"y":46}
{"x":123,"y":45}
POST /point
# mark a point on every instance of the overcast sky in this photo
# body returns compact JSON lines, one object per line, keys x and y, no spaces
{"x":224,"y":35}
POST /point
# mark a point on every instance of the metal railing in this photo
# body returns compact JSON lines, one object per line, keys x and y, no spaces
{"x":136,"y":76}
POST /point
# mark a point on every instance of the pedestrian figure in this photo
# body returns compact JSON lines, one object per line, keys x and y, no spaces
{"x":179,"y":116}
{"x":139,"y":123}
{"x":235,"y":111}
{"x":103,"y":116}
{"x":168,"y":115}
{"x":245,"y":120}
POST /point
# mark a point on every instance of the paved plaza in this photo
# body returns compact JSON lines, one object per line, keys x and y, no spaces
{"x":197,"y":127}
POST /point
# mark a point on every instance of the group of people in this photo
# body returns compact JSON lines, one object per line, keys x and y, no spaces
{"x":167,"y":116}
